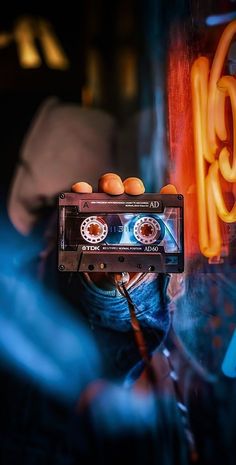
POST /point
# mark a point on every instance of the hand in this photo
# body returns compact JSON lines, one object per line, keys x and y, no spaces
{"x":111,"y":183}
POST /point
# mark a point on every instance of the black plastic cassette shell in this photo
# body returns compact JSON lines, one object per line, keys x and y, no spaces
{"x":118,"y":261}
{"x":102,"y":203}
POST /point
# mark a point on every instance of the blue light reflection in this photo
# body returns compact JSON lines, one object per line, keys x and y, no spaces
{"x":40,"y":336}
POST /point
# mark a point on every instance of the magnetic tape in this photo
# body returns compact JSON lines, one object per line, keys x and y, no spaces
{"x":98,"y":232}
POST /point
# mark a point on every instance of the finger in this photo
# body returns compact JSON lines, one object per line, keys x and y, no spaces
{"x":110,"y":183}
{"x":82,"y":188}
{"x":168,"y":189}
{"x":134,"y":186}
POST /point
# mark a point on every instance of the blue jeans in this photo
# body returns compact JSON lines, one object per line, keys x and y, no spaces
{"x":106,"y":313}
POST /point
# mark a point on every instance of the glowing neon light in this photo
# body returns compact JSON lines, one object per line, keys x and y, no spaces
{"x":214,"y":20}
{"x":212,"y":155}
{"x":25,"y":31}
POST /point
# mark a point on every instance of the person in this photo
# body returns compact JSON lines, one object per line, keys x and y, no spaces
{"x":66,"y":147}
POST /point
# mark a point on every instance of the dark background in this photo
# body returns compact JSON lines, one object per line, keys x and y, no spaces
{"x":108,"y":28}
{"x":140,"y":27}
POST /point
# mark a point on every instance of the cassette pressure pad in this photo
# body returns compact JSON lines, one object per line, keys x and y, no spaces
{"x":98,"y":232}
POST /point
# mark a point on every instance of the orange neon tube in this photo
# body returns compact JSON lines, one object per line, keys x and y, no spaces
{"x":212,"y":155}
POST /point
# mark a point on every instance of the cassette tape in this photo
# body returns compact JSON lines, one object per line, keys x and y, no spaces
{"x":98,"y":232}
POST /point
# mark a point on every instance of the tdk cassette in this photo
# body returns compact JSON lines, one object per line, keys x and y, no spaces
{"x":99,"y":232}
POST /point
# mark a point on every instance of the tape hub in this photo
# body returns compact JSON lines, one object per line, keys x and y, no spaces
{"x":94,"y":229}
{"x":147,"y":230}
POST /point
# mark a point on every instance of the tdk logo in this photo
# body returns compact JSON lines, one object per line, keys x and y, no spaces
{"x":90,"y":247}
{"x":154,"y":204}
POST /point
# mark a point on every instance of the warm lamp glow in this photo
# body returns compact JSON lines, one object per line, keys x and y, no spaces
{"x":25,"y":32}
{"x":54,"y":55}
{"x":26,"y":48}
{"x":127,"y":73}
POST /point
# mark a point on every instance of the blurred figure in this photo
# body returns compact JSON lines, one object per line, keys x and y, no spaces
{"x":70,"y":145}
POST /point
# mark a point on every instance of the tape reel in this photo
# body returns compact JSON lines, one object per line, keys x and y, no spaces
{"x":148,"y":230}
{"x":94,"y":229}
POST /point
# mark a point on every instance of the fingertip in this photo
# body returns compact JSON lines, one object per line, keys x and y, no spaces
{"x":110,"y":175}
{"x":82,"y":188}
{"x":168,"y":189}
{"x":110,"y":183}
{"x":133,"y":186}
{"x":112,"y":187}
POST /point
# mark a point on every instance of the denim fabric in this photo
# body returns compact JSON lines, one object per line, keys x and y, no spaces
{"x":107,"y":315}
{"x":110,"y":309}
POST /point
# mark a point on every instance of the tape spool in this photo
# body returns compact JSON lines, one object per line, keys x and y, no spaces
{"x":148,"y":229}
{"x":95,"y":229}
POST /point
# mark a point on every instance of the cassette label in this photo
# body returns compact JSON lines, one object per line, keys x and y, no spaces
{"x":97,"y":232}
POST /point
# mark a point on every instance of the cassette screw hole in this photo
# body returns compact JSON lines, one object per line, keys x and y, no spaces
{"x":61,"y":267}
{"x":121,"y":259}
{"x":103,"y":266}
{"x":91,"y":267}
{"x":151,"y":268}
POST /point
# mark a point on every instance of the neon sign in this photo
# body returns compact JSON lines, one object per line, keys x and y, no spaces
{"x":215,"y":161}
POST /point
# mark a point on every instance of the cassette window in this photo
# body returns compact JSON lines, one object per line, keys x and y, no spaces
{"x":122,"y":229}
